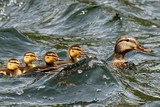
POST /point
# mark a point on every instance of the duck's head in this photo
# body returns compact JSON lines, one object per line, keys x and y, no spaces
{"x":13,"y":64}
{"x":123,"y":45}
{"x":127,"y":43}
{"x":50,"y":57}
{"x":75,"y":52}
{"x":29,"y":57}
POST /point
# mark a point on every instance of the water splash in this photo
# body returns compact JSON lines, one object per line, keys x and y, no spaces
{"x":80,"y":71}
{"x":19,"y":92}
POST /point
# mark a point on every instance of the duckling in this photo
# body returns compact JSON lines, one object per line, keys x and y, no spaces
{"x":29,"y":58}
{"x":12,"y":68}
{"x":50,"y":58}
{"x":124,"y":45}
{"x":75,"y":52}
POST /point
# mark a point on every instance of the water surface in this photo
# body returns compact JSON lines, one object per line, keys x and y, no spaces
{"x":53,"y":25}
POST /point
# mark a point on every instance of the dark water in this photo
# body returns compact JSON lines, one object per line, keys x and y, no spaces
{"x":43,"y":25}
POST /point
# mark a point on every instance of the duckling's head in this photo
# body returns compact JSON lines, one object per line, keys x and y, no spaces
{"x":13,"y":64}
{"x":127,"y":43}
{"x":75,"y":52}
{"x":29,"y":57}
{"x":50,"y":57}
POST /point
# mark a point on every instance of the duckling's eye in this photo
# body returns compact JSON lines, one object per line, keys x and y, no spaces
{"x":14,"y":63}
{"x":72,"y":50}
{"x":32,"y":55}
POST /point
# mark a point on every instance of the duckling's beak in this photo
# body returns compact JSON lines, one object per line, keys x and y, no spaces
{"x":58,"y":59}
{"x":83,"y":54}
{"x":37,"y":59}
{"x":141,"y":48}
{"x":93,"y":56}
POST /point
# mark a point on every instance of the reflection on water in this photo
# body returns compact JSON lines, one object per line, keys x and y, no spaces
{"x":40,"y":26}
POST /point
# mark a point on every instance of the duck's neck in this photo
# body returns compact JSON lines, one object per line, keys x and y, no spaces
{"x":73,"y":60}
{"x":30,"y":65}
{"x":118,"y":60}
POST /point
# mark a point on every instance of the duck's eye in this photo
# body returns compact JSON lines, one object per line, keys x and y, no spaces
{"x":72,"y":50}
{"x":127,"y":40}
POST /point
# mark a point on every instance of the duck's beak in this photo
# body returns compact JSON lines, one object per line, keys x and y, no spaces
{"x":141,"y":48}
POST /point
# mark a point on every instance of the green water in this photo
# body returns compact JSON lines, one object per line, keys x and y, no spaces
{"x":53,"y":25}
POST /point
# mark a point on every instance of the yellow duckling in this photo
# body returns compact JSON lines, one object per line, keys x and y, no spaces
{"x":123,"y":45}
{"x":29,"y":58}
{"x":75,"y":52}
{"x":12,"y":68}
{"x":49,"y":58}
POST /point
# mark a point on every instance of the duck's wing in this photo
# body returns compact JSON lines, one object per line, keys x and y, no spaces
{"x":3,"y":71}
{"x":46,"y":69}
{"x":74,"y":67}
{"x":59,"y":63}
{"x":34,"y":69}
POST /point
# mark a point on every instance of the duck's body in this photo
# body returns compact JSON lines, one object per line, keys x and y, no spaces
{"x":12,"y":68}
{"x":124,"y":45}
{"x":29,"y":58}
{"x":3,"y":71}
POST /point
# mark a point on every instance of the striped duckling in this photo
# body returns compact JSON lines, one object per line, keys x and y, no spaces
{"x":75,"y":52}
{"x":12,"y":68}
{"x":29,"y":58}
{"x":50,"y":59}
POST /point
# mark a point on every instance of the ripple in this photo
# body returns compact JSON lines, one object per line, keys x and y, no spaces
{"x":40,"y":26}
